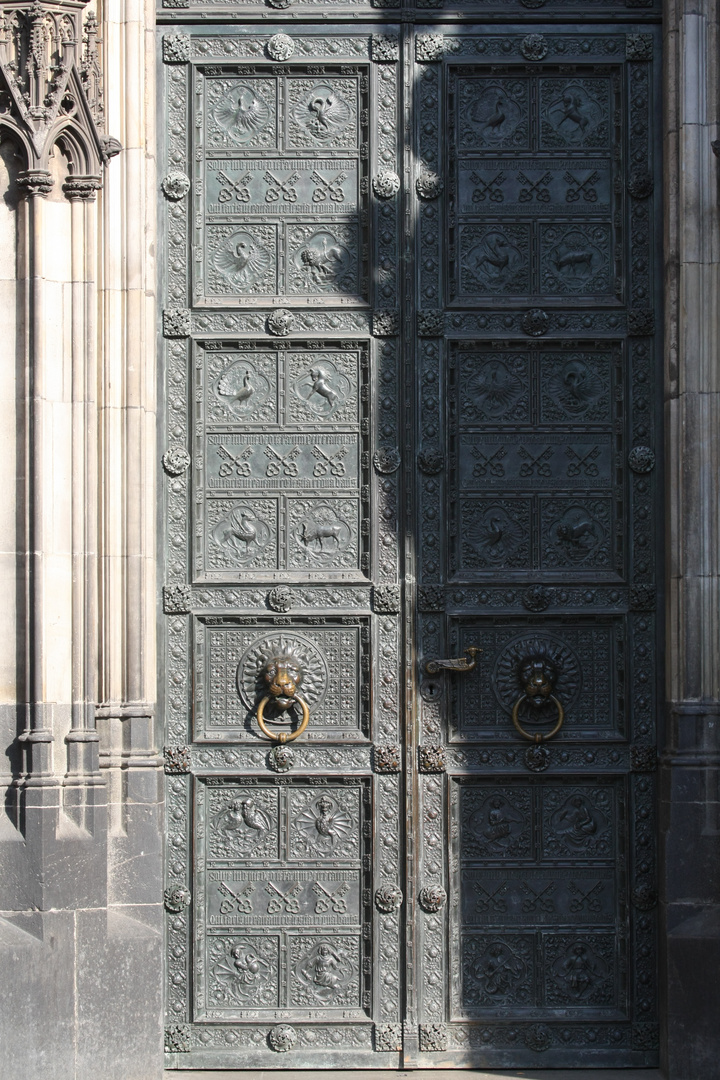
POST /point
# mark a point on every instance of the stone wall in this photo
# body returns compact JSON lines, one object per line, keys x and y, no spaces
{"x":80,"y":839}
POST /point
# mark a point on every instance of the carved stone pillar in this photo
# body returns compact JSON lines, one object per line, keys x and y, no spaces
{"x":38,"y":736}
{"x":53,"y":113}
{"x":690,"y":767}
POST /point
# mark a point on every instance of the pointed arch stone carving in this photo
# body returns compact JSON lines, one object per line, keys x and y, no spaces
{"x":51,"y":93}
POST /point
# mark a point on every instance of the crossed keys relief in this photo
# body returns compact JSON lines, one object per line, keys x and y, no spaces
{"x":279,"y":463}
{"x":281,"y":190}
{"x":537,"y":189}
{"x":285,"y":463}
{"x":238,"y":464}
{"x":582,"y":463}
{"x":488,"y":463}
{"x":283,"y":901}
{"x":328,"y":188}
{"x":586,"y":898}
{"x":239,"y":899}
{"x":487,"y":189}
{"x":584,"y":189}
{"x":334,"y":900}
{"x":240,"y":188}
{"x":583,"y":897}
{"x":331,"y":463}
{"x":535,"y":463}
{"x":490,"y":899}
{"x":236,"y":900}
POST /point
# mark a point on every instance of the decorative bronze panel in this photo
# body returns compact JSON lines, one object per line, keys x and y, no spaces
{"x":280,"y":908}
{"x":283,"y":461}
{"x":285,"y":183}
{"x":587,"y":655}
{"x":569,"y":235}
{"x":558,"y":865}
{"x":230,"y":661}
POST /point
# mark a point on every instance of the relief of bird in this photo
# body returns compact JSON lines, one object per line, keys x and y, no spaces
{"x":576,"y":386}
{"x":494,"y":389}
{"x":498,"y":117}
{"x":242,"y":113}
{"x":228,"y":386}
{"x":324,"y":820}
{"x":245,"y":814}
{"x":243,"y":260}
{"x":495,"y":536}
{"x":324,"y":113}
{"x":324,"y":825}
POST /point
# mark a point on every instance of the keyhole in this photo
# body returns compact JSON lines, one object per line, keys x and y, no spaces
{"x":430,"y":690}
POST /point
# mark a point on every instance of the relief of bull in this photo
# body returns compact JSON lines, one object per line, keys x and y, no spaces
{"x":573,"y":260}
{"x":314,"y":535}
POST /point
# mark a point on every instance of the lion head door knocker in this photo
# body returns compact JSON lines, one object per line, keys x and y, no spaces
{"x":283,"y":674}
{"x":538,"y":676}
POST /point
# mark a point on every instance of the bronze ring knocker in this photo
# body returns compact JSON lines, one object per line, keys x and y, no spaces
{"x":283,"y":675}
{"x":538,"y":677}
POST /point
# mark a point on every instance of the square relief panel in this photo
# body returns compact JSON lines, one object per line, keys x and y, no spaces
{"x":231,"y":657}
{"x":585,"y":655}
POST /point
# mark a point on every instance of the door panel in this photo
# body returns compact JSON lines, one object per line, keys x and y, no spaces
{"x":536,"y":544}
{"x":284,"y":438}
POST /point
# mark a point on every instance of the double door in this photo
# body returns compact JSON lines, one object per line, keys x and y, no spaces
{"x":409,"y":538}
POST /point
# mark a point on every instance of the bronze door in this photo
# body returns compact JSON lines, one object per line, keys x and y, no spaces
{"x":408,"y":410}
{"x":282,"y":599}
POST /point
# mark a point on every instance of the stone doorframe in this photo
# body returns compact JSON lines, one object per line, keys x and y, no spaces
{"x":690,"y":762}
{"x":83,"y":951}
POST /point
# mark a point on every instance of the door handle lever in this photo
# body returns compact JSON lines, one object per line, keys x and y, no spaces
{"x":460,"y":663}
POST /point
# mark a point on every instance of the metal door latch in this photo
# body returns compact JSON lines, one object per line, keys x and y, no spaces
{"x":460,"y":663}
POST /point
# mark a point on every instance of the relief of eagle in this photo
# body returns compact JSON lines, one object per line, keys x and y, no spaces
{"x":243,"y":260}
